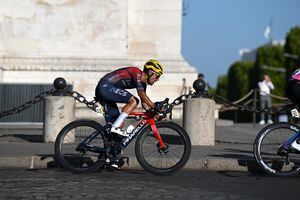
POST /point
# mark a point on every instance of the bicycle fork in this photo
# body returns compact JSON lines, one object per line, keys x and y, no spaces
{"x":161,"y":143}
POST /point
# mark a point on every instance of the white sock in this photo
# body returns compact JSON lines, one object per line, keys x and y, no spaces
{"x":120,"y":120}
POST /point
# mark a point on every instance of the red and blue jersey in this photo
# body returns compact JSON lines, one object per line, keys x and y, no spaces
{"x":126,"y":78}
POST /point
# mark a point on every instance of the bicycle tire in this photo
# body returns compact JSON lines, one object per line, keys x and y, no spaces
{"x":267,"y":155}
{"x":71,"y":161}
{"x":181,"y":137}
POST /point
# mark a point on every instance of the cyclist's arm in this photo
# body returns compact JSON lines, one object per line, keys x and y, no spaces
{"x":146,"y":102}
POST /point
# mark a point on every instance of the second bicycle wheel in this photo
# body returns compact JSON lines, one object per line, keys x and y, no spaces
{"x":270,"y":154}
{"x":73,"y":156}
{"x":169,"y":160}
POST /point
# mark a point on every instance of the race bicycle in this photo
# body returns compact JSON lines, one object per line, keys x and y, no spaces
{"x":161,"y":147}
{"x":273,"y":151}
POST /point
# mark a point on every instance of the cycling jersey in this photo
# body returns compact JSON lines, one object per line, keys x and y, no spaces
{"x":293,"y":87}
{"x":126,"y":78}
{"x":111,"y":89}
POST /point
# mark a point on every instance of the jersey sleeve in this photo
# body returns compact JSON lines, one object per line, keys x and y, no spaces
{"x":137,"y":79}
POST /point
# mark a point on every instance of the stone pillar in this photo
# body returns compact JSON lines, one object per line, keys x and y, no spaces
{"x":199,"y":121}
{"x":59,"y":111}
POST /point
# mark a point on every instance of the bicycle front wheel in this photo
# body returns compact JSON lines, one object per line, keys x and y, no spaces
{"x":69,"y":152}
{"x":163,"y":161}
{"x":270,"y":153}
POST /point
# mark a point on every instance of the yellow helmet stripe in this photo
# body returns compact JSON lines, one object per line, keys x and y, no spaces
{"x":157,"y":71}
{"x":155,"y":66}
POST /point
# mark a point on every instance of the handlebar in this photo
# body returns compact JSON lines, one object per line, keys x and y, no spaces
{"x":167,"y":108}
{"x":162,"y":108}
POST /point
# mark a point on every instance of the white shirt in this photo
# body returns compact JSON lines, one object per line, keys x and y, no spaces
{"x":265,"y":87}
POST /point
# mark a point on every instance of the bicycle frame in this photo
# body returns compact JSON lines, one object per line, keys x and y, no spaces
{"x":146,"y":119}
{"x":292,"y":138}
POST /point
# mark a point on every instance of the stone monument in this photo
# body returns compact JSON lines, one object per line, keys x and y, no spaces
{"x":83,"y":40}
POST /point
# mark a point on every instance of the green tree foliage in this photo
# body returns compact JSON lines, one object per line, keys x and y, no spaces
{"x":237,"y":86}
{"x":238,"y":79}
{"x":268,"y":58}
{"x":222,"y":86}
{"x":244,"y":76}
{"x":292,"y":47}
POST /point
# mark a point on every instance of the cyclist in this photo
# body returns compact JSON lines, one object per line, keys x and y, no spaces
{"x":293,"y":92}
{"x":293,"y":89}
{"x":112,"y":89}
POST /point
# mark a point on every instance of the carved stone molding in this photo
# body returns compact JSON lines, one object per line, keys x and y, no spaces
{"x":85,"y":64}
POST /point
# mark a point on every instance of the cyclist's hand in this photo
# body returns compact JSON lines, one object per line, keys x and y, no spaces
{"x":150,"y":110}
{"x":160,"y":106}
{"x":155,"y":110}
{"x":161,"y":109}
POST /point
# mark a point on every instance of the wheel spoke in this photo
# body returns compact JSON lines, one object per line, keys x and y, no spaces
{"x":65,"y":150}
{"x":167,"y":160}
{"x":268,"y":150}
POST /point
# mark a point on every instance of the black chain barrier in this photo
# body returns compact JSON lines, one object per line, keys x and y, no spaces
{"x":227,"y":103}
{"x":76,"y":95}
{"x":79,"y":97}
{"x":179,"y":100}
{"x":221,"y":100}
{"x":27,"y":104}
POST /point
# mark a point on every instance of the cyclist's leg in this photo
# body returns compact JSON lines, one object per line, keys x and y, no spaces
{"x":262,"y":106}
{"x":111,"y":111}
{"x":112,"y":94}
{"x":269,"y":105}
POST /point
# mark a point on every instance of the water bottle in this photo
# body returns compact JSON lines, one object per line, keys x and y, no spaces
{"x":99,"y":110}
{"x":129,"y":129}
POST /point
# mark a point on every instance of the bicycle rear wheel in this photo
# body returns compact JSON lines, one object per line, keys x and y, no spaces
{"x":270,"y":154}
{"x":73,"y":156}
{"x":163,"y":161}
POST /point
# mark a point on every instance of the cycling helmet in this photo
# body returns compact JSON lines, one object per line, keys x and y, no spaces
{"x":293,"y":87}
{"x":296,"y":75}
{"x":154,"y":66}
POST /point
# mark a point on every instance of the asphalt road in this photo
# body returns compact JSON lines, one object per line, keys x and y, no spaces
{"x":130,"y":184}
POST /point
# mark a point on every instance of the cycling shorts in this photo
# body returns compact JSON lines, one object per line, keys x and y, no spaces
{"x":108,"y":96}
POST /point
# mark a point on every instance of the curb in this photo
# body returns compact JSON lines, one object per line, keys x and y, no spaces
{"x":21,"y":126}
{"x":208,"y":163}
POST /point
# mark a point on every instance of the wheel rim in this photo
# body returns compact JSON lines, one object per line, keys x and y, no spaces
{"x":273,"y":157}
{"x":74,"y":154}
{"x":170,"y":155}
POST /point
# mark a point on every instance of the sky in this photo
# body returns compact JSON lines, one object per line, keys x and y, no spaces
{"x":213,"y":31}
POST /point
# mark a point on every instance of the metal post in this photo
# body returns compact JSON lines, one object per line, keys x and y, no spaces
{"x":254,"y":106}
{"x":235,"y":116}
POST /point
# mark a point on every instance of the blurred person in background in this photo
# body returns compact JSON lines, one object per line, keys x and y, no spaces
{"x":265,"y":86}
